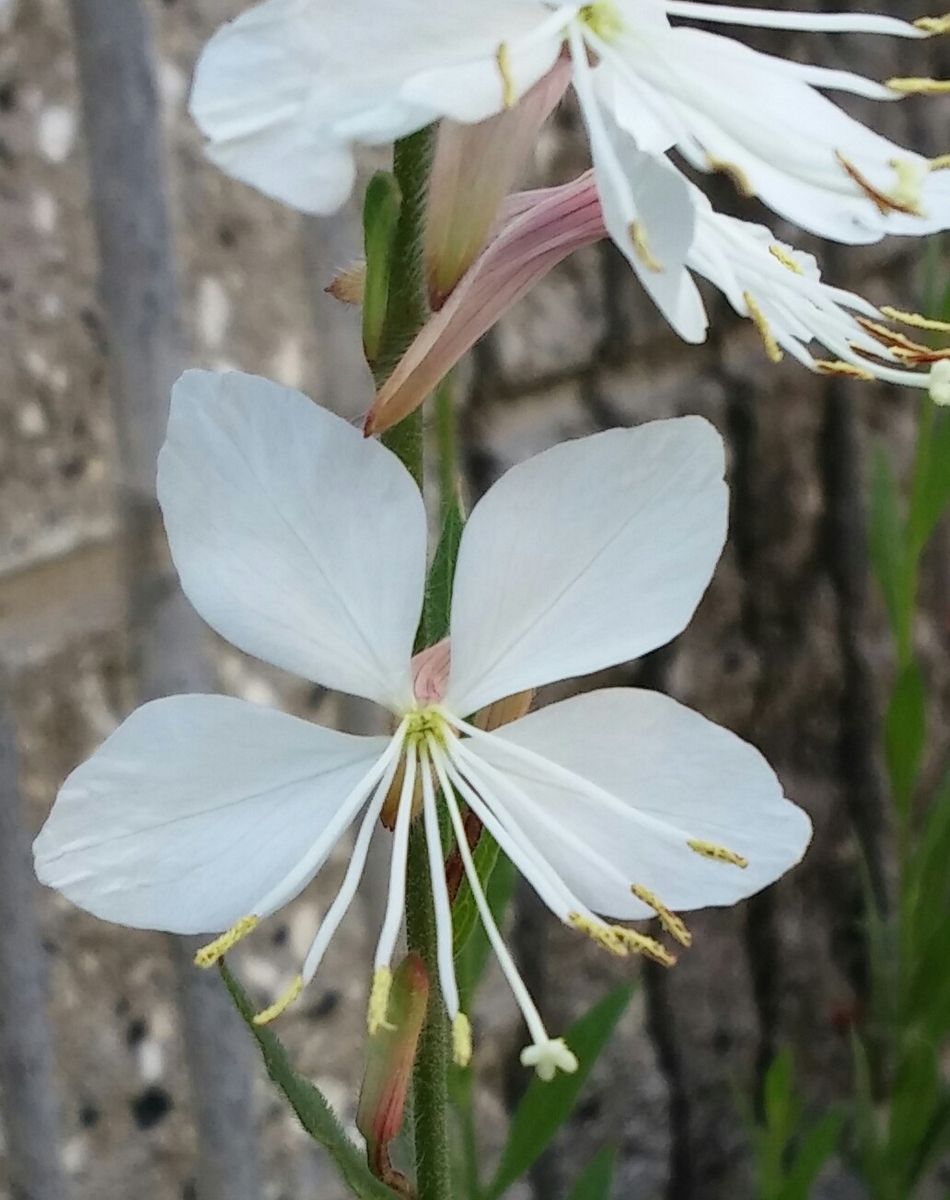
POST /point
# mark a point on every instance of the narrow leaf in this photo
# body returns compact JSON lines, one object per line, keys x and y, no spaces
{"x":546,"y":1106}
{"x":816,"y":1148}
{"x":472,"y":955}
{"x":380,"y":216}
{"x":932,"y":483}
{"x":904,"y":734}
{"x":308,"y":1102}
{"x":596,"y":1180}
{"x":465,"y":910}
{"x":438,"y":607}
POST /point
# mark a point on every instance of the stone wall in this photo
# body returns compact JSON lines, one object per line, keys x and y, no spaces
{"x":788,"y":648}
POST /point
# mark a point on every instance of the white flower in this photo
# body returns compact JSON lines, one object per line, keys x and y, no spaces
{"x":781,"y":290}
{"x":285,"y":91}
{"x":304,"y":544}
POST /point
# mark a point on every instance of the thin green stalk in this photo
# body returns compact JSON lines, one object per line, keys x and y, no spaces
{"x":406,"y":313}
{"x":447,"y":433}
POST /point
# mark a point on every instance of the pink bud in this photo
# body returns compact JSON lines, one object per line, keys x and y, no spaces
{"x":390,"y":1056}
{"x":475,"y":168}
{"x":539,"y":229}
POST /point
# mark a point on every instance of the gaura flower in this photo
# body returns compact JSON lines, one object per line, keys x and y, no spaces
{"x":769,"y":282}
{"x":305,"y":545}
{"x":285,"y":91}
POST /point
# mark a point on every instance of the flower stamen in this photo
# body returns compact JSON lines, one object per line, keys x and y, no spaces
{"x":602,"y":18}
{"x":918,"y":86}
{"x":509,"y":92}
{"x":885,"y":202}
{"x":847,"y":370}
{"x":916,"y":320}
{"x":717,"y":853}
{"x":934,"y":25}
{"x":281,"y":1004}
{"x":210,"y":955}
{"x":641,"y":246}
{"x":379,"y":1001}
{"x":786,"y":258}
{"x":620,"y":941}
{"x":734,"y":173}
{"x":674,"y":925}
{"x":462,"y":1040}
{"x":758,"y":318}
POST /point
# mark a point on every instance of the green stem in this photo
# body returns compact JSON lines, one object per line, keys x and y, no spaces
{"x":447,"y":432}
{"x":406,"y":312}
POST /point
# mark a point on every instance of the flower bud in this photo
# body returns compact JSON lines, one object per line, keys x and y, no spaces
{"x":475,"y":168}
{"x":390,"y":1056}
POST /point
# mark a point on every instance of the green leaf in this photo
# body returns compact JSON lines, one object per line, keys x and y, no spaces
{"x":472,"y":954}
{"x":931,"y":495}
{"x":308,"y":1102}
{"x":442,"y":575}
{"x":596,"y":1180}
{"x":381,"y":208}
{"x":465,"y":910}
{"x":816,"y":1148}
{"x":904,"y":734}
{"x":546,"y":1106}
{"x":887,"y":543}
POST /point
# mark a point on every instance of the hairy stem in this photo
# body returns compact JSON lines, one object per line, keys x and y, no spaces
{"x":406,"y":312}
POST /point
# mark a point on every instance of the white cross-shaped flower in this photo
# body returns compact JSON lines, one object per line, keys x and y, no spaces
{"x":305,"y":545}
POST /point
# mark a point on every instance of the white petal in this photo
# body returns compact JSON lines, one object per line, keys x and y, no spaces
{"x":283,"y":90}
{"x":783,"y":135}
{"x":295,"y":538}
{"x":196,"y":808}
{"x":587,"y":555}
{"x":673,"y":777}
{"x":647,"y":207}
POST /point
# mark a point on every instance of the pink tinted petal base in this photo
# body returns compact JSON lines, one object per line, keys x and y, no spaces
{"x":430,"y":673}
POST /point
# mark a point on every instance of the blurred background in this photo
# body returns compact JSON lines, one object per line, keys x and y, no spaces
{"x":122,"y":1072}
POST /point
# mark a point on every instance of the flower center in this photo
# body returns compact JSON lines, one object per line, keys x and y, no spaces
{"x":603,"y":19}
{"x":425,"y":725}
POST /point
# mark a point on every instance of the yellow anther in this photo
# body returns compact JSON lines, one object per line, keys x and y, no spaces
{"x":673,"y":924}
{"x":934,"y":25}
{"x":281,"y":1004}
{"x":379,"y":1001}
{"x":884,"y":202}
{"x":892,"y":338}
{"x":462,"y":1040}
{"x":603,"y":19}
{"x":915,"y":320}
{"x":740,"y":180}
{"x":208,"y":955}
{"x":718,"y":853}
{"x":757,"y":316}
{"x":786,"y":258}
{"x":940,"y":163}
{"x":910,"y":176}
{"x":509,"y":92}
{"x":619,"y":941}
{"x":849,"y":370}
{"x":913,"y":86}
{"x":641,"y":246}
